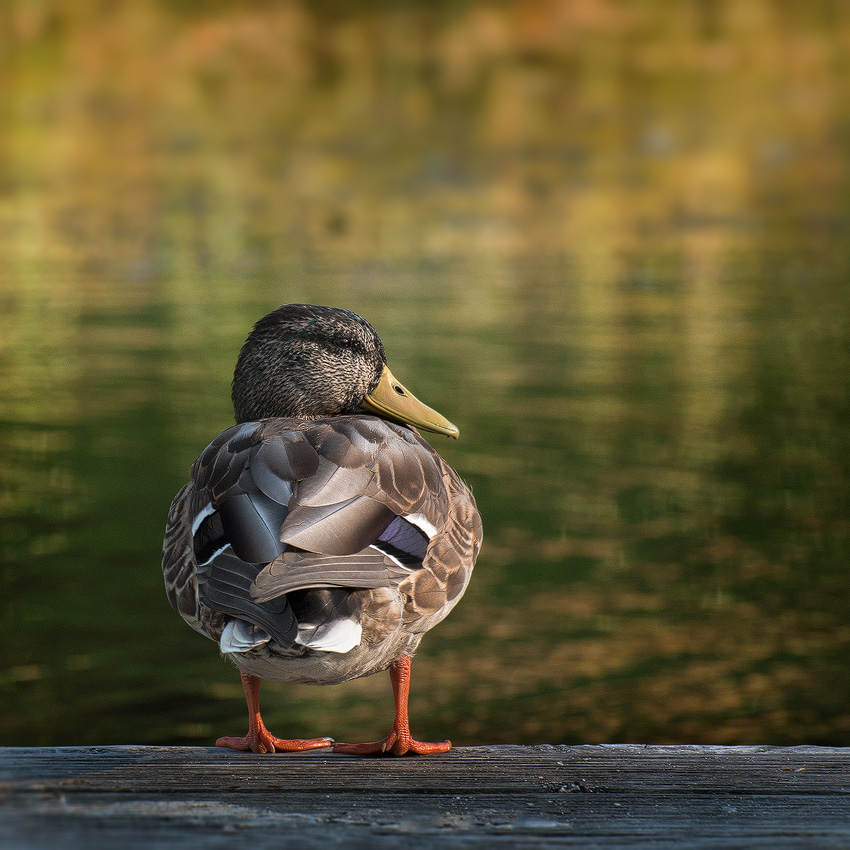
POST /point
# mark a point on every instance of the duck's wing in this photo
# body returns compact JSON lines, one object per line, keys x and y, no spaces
{"x":280,"y":506}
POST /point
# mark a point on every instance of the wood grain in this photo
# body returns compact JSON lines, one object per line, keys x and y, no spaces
{"x":607,"y":796}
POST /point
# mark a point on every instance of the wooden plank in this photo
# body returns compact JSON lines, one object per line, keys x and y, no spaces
{"x":608,"y":796}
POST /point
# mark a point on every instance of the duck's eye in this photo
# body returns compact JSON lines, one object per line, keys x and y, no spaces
{"x":348,"y":343}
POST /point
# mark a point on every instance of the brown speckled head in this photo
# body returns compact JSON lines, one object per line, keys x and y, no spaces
{"x":307,"y":362}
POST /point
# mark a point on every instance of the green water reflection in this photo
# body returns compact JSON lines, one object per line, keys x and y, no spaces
{"x":611,"y":245}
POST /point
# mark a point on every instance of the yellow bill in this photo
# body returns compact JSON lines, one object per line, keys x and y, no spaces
{"x":392,"y":401}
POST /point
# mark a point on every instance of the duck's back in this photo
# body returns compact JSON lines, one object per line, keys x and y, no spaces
{"x":319,"y":534}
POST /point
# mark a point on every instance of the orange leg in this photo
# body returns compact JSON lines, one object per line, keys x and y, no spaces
{"x":399,"y":741}
{"x":259,"y":739}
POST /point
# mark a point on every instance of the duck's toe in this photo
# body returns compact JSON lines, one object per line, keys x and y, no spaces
{"x":397,"y":743}
{"x":260,"y":740}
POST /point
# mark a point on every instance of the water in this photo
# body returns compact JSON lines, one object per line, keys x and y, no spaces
{"x":618,"y":261}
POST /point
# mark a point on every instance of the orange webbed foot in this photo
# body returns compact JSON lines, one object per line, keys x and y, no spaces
{"x":394,"y":745}
{"x":260,"y":740}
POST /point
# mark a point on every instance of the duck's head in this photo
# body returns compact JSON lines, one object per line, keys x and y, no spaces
{"x":310,"y":362}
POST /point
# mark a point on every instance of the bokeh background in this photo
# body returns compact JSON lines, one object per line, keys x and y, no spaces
{"x":609,"y":239}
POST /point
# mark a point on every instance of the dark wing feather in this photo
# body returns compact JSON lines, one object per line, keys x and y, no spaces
{"x":222,"y":462}
{"x":251,"y":523}
{"x":226,"y":588}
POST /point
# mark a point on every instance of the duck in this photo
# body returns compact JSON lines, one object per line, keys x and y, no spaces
{"x":320,"y":537}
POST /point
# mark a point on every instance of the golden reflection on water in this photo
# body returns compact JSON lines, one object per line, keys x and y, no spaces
{"x":607,"y":239}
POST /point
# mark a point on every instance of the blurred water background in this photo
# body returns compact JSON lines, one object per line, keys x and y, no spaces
{"x":608,"y":239}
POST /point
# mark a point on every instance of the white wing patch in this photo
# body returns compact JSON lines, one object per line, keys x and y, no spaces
{"x":423,"y":524}
{"x":393,"y":558}
{"x":214,"y":555}
{"x":203,"y":513}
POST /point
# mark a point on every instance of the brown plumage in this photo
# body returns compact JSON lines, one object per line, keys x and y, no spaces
{"x":315,"y":542}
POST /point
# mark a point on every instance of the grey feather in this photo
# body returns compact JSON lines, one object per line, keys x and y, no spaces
{"x":251,"y":524}
{"x":297,"y":570}
{"x":340,"y":529}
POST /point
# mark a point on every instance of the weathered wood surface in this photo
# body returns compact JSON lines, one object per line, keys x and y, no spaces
{"x":536,"y":797}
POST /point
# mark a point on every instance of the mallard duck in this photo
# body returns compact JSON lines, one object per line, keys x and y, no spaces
{"x":320,"y":537}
